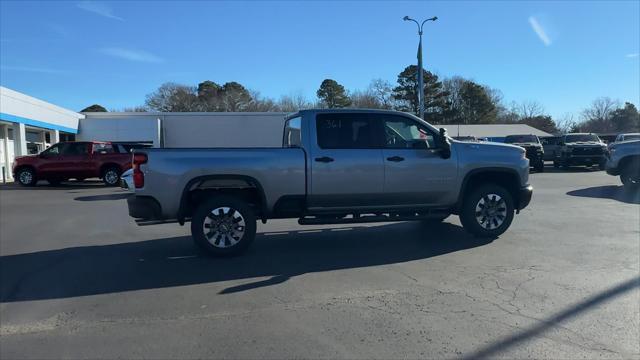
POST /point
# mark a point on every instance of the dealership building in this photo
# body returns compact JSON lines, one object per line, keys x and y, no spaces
{"x":29,"y":125}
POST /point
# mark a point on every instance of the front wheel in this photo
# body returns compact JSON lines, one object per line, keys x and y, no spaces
{"x":630,"y":175}
{"x":487,"y":211}
{"x":223,"y":226}
{"x":26,"y":177}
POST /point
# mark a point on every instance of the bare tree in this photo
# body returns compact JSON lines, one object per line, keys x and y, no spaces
{"x":600,"y":109}
{"x":530,"y":109}
{"x":172,"y":97}
{"x":294,"y":102}
{"x":566,"y":124}
{"x":365,"y":100}
{"x":382,"y":90}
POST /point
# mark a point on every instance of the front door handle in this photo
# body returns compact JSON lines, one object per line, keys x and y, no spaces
{"x":324,"y":159}
{"x":395,"y":158}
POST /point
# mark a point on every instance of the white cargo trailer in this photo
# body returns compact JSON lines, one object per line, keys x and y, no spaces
{"x":172,"y":130}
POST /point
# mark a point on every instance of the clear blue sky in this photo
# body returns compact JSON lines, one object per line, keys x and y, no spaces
{"x":562,"y":54}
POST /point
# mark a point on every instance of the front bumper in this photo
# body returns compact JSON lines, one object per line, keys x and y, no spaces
{"x":144,"y":207}
{"x":584,"y":159}
{"x":524,"y":197}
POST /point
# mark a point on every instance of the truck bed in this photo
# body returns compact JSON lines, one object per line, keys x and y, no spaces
{"x":169,"y":171}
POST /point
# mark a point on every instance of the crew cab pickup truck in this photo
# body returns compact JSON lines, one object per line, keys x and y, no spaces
{"x":531,"y":144}
{"x":580,"y":149}
{"x":624,"y":160}
{"x":334,"y":167}
{"x":77,"y":160}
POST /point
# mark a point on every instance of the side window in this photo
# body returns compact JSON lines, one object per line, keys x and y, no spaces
{"x":292,"y":133}
{"x":53,"y":150}
{"x":103,"y":149}
{"x":75,"y":149}
{"x":346,"y":131}
{"x":403,"y":133}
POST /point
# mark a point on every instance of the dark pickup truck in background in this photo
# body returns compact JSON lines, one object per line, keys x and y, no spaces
{"x":74,"y":160}
{"x":531,"y":144}
{"x":580,"y":149}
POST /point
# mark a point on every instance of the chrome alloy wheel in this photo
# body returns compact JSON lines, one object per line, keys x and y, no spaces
{"x":111,"y":177}
{"x":491,"y":211}
{"x":223,"y":227}
{"x":26,"y":177}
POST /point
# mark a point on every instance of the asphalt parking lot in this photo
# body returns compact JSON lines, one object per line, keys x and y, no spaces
{"x":80,"y":279}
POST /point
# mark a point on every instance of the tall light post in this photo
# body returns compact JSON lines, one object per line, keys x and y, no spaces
{"x":420,"y":75}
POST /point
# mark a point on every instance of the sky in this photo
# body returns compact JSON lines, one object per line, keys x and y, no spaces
{"x":77,"y":53}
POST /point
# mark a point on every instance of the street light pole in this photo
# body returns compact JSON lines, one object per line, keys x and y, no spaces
{"x":420,"y":74}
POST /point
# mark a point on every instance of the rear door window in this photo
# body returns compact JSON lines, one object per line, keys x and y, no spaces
{"x":75,"y":149}
{"x":347,"y":131}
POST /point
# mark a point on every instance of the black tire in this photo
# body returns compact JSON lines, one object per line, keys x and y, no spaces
{"x":220,"y":241}
{"x":556,"y":164}
{"x":539,"y":167}
{"x":488,"y":228}
{"x":26,"y":177}
{"x":111,"y":176}
{"x":630,"y":175}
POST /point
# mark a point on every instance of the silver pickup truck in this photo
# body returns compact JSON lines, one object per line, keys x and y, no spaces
{"x":624,"y":160}
{"x":334,"y":167}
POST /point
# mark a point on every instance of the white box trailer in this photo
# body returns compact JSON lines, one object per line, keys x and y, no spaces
{"x":197,"y":130}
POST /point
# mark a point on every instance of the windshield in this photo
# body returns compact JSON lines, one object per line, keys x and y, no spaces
{"x":581,"y":138}
{"x":515,"y":139}
{"x":631,"y":137}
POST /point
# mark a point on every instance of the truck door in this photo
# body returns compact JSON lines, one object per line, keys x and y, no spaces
{"x":415,"y":172}
{"x":76,"y":161}
{"x":346,"y":164}
{"x":51,"y":160}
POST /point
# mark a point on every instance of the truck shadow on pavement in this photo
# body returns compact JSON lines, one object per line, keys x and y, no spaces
{"x":43,"y":185}
{"x":169,"y":262}
{"x":612,"y":192}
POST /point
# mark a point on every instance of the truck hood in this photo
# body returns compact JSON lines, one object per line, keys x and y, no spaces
{"x":586,"y":144}
{"x":527,"y":144}
{"x":486,"y":146}
{"x":25,"y":157}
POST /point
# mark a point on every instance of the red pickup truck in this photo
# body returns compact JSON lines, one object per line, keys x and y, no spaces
{"x":77,"y":160}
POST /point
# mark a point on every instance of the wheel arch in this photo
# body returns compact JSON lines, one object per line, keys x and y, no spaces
{"x":108,"y":165}
{"x":506,"y":177}
{"x":221,"y":184}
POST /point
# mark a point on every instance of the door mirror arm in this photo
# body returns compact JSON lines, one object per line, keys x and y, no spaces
{"x":443,"y":144}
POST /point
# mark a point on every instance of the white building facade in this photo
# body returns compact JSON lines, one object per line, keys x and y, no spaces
{"x":29,"y":125}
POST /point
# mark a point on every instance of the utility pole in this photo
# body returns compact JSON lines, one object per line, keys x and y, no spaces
{"x":420,"y":74}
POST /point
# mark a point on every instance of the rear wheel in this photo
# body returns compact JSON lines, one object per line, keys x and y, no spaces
{"x":223,"y":226}
{"x":111,"y":176}
{"x":487,"y":211}
{"x":26,"y":177}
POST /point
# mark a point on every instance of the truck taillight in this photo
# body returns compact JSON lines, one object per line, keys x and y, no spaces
{"x":138,"y":175}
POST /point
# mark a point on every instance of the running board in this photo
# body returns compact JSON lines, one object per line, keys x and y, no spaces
{"x":326,"y":220}
{"x":143,"y":222}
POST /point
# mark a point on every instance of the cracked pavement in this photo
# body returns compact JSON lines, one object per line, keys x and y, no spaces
{"x":80,"y":280}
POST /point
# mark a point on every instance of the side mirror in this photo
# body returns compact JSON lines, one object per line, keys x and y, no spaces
{"x":443,"y":144}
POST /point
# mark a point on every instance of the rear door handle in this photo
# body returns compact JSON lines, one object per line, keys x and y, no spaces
{"x":395,"y":158}
{"x":324,"y":159}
